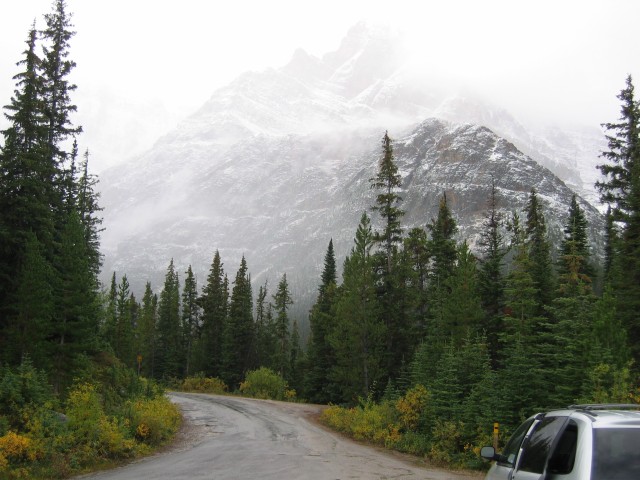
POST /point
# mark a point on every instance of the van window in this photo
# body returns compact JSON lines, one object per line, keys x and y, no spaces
{"x":536,"y":450}
{"x":510,"y":452}
{"x":615,"y":454}
{"x":564,"y":455}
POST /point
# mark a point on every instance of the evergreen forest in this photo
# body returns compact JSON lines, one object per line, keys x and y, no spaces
{"x":491,"y":335}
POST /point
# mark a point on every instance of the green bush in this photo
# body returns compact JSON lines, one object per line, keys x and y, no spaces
{"x":266,"y":384}
{"x":22,"y":390}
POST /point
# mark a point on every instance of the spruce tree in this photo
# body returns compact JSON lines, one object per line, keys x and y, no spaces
{"x":462,"y":313}
{"x":567,"y":351}
{"x":28,"y":333}
{"x":123,"y":340}
{"x":491,"y":279}
{"x":238,"y":335}
{"x":214,"y":304}
{"x":190,"y":318}
{"x":73,"y":332}
{"x":26,"y":186}
{"x":359,"y":336}
{"x":442,"y":244}
{"x":387,"y":183}
{"x":57,"y":88}
{"x":621,"y":190}
{"x":88,"y":208}
{"x":442,"y":254}
{"x":575,"y":242}
{"x":416,"y":255}
{"x":169,"y":353}
{"x":147,"y":335}
{"x":321,"y":355}
{"x":266,"y":342}
{"x":541,"y":267}
{"x":281,"y":302}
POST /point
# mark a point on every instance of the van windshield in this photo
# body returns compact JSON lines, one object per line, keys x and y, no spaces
{"x":615,"y":454}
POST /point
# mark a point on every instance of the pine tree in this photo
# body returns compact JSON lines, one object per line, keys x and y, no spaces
{"x":621,"y":190}
{"x":442,"y":244}
{"x":491,"y":273}
{"x":394,"y":303}
{"x":29,"y":330}
{"x":575,"y":242}
{"x":567,"y":352}
{"x":388,"y":181}
{"x":57,"y":68}
{"x":281,"y":302}
{"x":443,"y":254}
{"x":75,"y":327}
{"x":359,"y":336}
{"x":123,"y":340}
{"x":417,"y":256}
{"x":26,"y":187}
{"x":525,"y":331}
{"x":147,"y":335}
{"x":519,"y":387}
{"x":541,"y":267}
{"x":321,"y":355}
{"x":521,"y":291}
{"x":266,"y":343}
{"x":168,"y":356}
{"x":190,"y":317}
{"x":462,"y":313}
{"x":88,"y":208}
{"x":238,"y":335}
{"x":214,"y":303}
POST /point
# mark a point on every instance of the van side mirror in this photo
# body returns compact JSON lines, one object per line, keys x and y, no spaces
{"x":488,"y":453}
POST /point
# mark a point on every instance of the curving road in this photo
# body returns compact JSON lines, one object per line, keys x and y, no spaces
{"x":239,"y":438}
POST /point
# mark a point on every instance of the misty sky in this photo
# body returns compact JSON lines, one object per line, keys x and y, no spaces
{"x":144,"y":64}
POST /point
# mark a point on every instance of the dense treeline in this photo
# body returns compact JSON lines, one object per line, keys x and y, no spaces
{"x":49,"y":215}
{"x":66,"y":402}
{"x":417,"y":317}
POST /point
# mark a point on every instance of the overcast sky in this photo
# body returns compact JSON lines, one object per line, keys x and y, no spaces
{"x":554,"y":60}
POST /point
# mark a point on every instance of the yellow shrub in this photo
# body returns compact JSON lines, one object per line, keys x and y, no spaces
{"x":15,"y":449}
{"x":373,"y":422}
{"x":92,"y":431}
{"x":411,"y":406}
{"x":200,"y":383}
{"x":154,"y":420}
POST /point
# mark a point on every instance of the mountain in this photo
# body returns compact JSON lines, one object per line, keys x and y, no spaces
{"x":278,"y":162}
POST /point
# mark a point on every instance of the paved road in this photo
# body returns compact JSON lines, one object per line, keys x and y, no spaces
{"x":239,"y":438}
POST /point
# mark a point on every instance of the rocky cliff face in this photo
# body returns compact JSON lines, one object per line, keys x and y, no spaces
{"x":278,"y":163}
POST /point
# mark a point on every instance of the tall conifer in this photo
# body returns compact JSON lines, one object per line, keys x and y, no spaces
{"x":321,"y":355}
{"x":621,"y":190}
{"x":359,"y":336}
{"x":214,"y":302}
{"x":169,"y":354}
{"x":238,"y":335}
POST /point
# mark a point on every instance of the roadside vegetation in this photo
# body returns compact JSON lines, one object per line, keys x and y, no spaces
{"x":440,"y":340}
{"x":108,"y":415}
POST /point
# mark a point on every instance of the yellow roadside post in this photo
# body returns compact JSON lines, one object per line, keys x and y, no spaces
{"x":496,"y":431}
